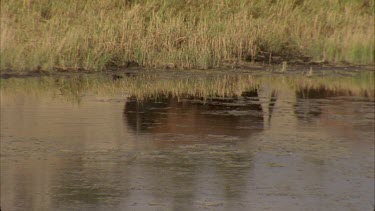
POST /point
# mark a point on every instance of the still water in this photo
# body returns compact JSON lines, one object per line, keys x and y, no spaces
{"x":267,"y":148}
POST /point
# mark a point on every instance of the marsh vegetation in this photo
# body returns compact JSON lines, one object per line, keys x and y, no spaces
{"x":91,"y":119}
{"x":97,"y":35}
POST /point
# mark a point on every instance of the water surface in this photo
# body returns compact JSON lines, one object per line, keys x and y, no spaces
{"x":257,"y":144}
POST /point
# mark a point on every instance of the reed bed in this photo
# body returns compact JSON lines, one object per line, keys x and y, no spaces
{"x":101,"y":34}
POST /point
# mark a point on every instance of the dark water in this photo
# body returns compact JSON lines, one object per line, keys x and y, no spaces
{"x":265,"y":150}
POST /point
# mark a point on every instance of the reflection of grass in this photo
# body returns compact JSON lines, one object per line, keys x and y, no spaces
{"x":201,"y":85}
{"x":181,"y":33}
{"x":361,"y":84}
{"x":272,"y":164}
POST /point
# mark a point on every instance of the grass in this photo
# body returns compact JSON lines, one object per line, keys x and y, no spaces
{"x":99,"y":34}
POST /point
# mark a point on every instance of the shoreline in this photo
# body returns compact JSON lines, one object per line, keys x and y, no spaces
{"x":239,"y":68}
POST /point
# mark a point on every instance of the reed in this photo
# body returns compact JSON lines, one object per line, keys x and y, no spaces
{"x":99,"y":34}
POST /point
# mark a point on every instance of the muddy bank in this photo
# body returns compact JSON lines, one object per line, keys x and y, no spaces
{"x":118,"y":72}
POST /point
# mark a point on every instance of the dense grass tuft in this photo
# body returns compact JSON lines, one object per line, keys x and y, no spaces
{"x":97,"y":34}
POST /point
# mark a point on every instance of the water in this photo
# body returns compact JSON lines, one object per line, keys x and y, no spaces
{"x":266,"y":149}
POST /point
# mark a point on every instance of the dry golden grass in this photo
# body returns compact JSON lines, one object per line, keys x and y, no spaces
{"x":97,"y":34}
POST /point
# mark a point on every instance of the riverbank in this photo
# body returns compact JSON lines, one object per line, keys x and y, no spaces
{"x":254,"y":68}
{"x":101,"y":35}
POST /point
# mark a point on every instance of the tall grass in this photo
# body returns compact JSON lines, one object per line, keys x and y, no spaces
{"x":98,"y":34}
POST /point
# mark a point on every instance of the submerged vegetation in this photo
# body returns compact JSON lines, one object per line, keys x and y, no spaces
{"x":100,"y":34}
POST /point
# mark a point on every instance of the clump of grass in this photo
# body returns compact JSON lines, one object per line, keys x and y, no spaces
{"x":97,"y":34}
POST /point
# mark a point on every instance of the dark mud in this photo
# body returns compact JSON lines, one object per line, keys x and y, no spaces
{"x":244,"y":67}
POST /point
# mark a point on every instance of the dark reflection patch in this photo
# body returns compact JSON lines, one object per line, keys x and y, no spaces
{"x":215,"y":116}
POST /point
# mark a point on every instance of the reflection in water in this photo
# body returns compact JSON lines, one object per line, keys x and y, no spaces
{"x":204,"y":122}
{"x":274,"y":147}
{"x":306,"y":107}
{"x":220,"y":120}
{"x":225,"y":117}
